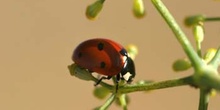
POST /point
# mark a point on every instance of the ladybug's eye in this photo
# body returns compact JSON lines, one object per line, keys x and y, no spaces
{"x":100,"y":46}
{"x":102,"y":64}
{"x":123,"y":52}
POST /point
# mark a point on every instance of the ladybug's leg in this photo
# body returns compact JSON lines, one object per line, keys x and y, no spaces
{"x":118,"y":78}
{"x":103,"y":77}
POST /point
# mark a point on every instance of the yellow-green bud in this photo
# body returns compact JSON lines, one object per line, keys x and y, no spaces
{"x":138,"y":8}
{"x":198,"y":31}
{"x":93,"y":10}
{"x":122,"y":100}
{"x":132,"y":50}
{"x":192,"y":20}
{"x":80,"y":73}
{"x":181,"y":65}
{"x":101,"y":92}
{"x":213,"y":93}
{"x":210,"y":53}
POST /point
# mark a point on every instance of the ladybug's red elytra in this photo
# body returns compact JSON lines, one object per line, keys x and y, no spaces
{"x":105,"y":57}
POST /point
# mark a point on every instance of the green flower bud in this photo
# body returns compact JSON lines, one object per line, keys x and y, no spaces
{"x":80,"y":73}
{"x":132,"y":50}
{"x":192,"y":20}
{"x":138,"y":8}
{"x":213,"y":93}
{"x":101,"y":92}
{"x":181,"y":65}
{"x":209,"y":54}
{"x":122,"y":100}
{"x":93,"y":10}
{"x":198,"y":31}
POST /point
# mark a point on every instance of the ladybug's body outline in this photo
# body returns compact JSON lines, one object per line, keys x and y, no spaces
{"x":104,"y":57}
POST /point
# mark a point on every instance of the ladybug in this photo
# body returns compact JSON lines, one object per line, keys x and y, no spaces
{"x":105,"y":57}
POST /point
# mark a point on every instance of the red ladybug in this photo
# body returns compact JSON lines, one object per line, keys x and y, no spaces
{"x":105,"y":57}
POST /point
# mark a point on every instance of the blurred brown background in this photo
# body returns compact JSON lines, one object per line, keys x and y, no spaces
{"x":38,"y":37}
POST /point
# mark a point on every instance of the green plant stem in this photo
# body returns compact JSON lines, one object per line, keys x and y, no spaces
{"x":212,"y":19}
{"x":204,"y":99}
{"x":215,"y":62}
{"x":108,"y":102}
{"x":181,"y":37}
{"x":156,"y":85}
{"x":123,"y":102}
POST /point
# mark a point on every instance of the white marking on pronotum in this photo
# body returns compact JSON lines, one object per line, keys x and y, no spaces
{"x":127,"y":76}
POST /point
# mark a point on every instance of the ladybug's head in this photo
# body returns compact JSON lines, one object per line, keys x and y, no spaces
{"x":128,"y":72}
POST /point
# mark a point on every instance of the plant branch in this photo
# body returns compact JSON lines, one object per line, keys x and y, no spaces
{"x":107,"y":103}
{"x":212,"y":19}
{"x":181,"y":37}
{"x":123,"y":101}
{"x":156,"y":85}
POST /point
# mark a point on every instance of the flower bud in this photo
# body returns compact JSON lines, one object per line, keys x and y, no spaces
{"x":209,"y":54}
{"x":213,"y":93}
{"x":80,"y":73}
{"x":192,"y":20}
{"x":132,"y":50}
{"x":101,"y":92}
{"x":198,"y":31}
{"x":181,"y":65}
{"x":93,"y":10}
{"x":138,"y":8}
{"x":120,"y":100}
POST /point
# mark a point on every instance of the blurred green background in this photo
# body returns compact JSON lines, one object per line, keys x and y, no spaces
{"x":37,"y":38}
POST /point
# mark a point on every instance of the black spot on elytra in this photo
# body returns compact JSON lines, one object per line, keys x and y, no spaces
{"x":102,"y":64}
{"x":100,"y":46}
{"x":79,"y":55}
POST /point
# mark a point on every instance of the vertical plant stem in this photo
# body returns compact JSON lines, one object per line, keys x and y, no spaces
{"x":108,"y":102}
{"x":181,"y":37}
{"x":123,"y":101}
{"x":204,"y":99}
